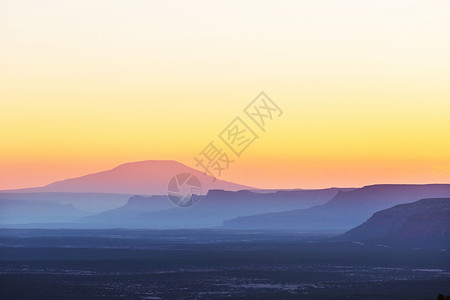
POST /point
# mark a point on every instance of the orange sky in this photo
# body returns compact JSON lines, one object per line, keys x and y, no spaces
{"x":363,"y":87}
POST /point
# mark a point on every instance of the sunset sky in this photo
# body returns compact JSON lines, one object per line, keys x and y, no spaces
{"x":364,"y":87}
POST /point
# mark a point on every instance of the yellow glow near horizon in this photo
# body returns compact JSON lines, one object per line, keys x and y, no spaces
{"x":364,"y":86}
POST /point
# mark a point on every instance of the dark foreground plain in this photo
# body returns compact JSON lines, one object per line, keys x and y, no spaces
{"x":214,"y":264}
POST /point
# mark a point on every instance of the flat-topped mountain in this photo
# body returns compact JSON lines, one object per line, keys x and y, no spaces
{"x":210,"y":211}
{"x":423,"y":219}
{"x":344,"y":211}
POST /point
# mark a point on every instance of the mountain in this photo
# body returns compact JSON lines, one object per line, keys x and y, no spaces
{"x":344,"y":211}
{"x":23,"y":211}
{"x":210,"y":211}
{"x":423,"y":219}
{"x":149,"y":177}
{"x":88,"y":202}
{"x":127,"y":213}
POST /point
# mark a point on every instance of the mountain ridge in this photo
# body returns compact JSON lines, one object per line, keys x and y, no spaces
{"x":210,"y":211}
{"x":148,"y":177}
{"x":422,"y":219}
{"x":344,"y":211}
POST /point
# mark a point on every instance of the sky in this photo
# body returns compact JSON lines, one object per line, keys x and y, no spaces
{"x":363,"y":86}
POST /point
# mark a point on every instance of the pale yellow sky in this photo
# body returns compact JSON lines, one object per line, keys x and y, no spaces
{"x":364,"y":86}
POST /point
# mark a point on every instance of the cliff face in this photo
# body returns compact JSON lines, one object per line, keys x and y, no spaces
{"x":211,"y":210}
{"x":344,"y":211}
{"x":423,"y":219}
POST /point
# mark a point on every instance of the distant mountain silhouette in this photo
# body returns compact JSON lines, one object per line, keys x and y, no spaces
{"x":345,"y":211}
{"x":127,"y":213}
{"x":23,"y":211}
{"x":138,"y":178}
{"x":210,"y":211}
{"x":88,"y":202}
{"x":423,"y":219}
